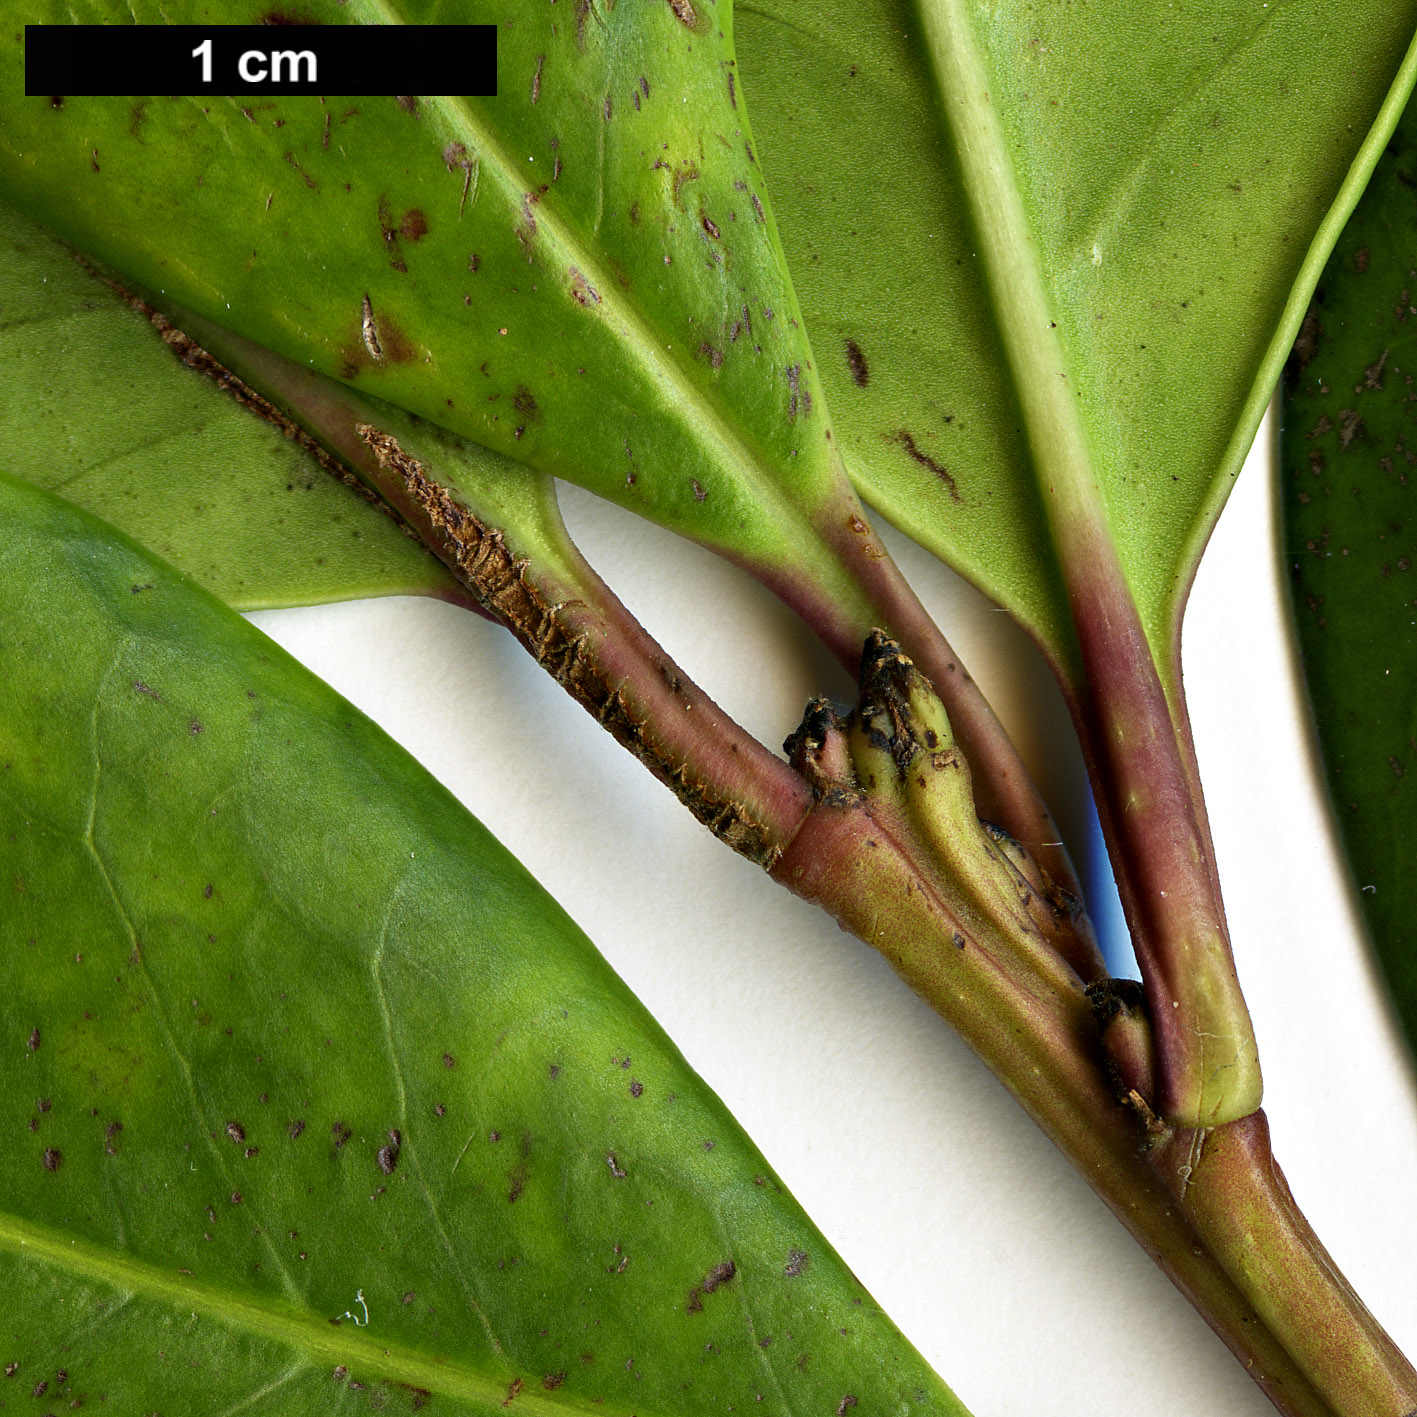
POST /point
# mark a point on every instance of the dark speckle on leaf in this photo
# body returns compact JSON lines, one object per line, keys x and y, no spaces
{"x":236,"y":1132}
{"x":388,"y":1157}
{"x":907,"y":441}
{"x":860,"y":374}
{"x":34,"y":1041}
{"x":798,"y":1261}
{"x":52,"y":1158}
{"x":720,"y":1274}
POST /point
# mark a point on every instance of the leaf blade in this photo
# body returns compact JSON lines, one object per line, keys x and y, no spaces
{"x":96,"y":406}
{"x":1348,"y":541}
{"x":345,"y":1144}
{"x":1093,"y":110}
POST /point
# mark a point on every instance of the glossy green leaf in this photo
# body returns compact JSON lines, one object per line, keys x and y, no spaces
{"x":312,"y":1100}
{"x":1171,"y":166}
{"x":94,"y":405}
{"x":579,"y":272}
{"x":1349,"y":480}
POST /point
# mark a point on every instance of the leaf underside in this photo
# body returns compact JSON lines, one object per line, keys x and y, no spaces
{"x":579,"y":273}
{"x":584,"y":272}
{"x":1349,"y":485}
{"x":1174,"y":163}
{"x":95,"y":406}
{"x":293,"y":1041}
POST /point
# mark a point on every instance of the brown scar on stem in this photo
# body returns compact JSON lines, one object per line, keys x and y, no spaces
{"x":907,"y":442}
{"x":500,"y":582}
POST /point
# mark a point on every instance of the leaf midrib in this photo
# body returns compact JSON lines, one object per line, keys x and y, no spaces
{"x":724,"y":444}
{"x":311,"y":1335}
{"x":1052,"y":424}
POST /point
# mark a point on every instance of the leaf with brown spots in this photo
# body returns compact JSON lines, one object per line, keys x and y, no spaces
{"x":348,"y":880}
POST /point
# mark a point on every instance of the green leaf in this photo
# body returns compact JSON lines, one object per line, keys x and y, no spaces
{"x":94,"y":405}
{"x":1349,"y":478}
{"x":579,"y":273}
{"x":291,"y":1039}
{"x":983,"y":206}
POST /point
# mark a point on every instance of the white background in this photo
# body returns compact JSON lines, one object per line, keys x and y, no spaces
{"x":956,"y":1213}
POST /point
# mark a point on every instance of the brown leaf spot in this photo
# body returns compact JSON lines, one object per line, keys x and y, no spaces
{"x":53,"y":1158}
{"x":388,"y":1157}
{"x":856,"y":362}
{"x":236,"y":1132}
{"x":686,"y":174}
{"x":413,"y":224}
{"x":798,"y":1262}
{"x":721,"y":1273}
{"x":907,"y":442}
{"x":581,"y":289}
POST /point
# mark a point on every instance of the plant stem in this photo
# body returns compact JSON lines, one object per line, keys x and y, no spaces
{"x":1153,"y":819}
{"x":1208,"y":1070}
{"x":1209,"y":1206}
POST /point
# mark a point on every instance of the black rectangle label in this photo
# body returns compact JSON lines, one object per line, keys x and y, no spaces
{"x":105,"y":61}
